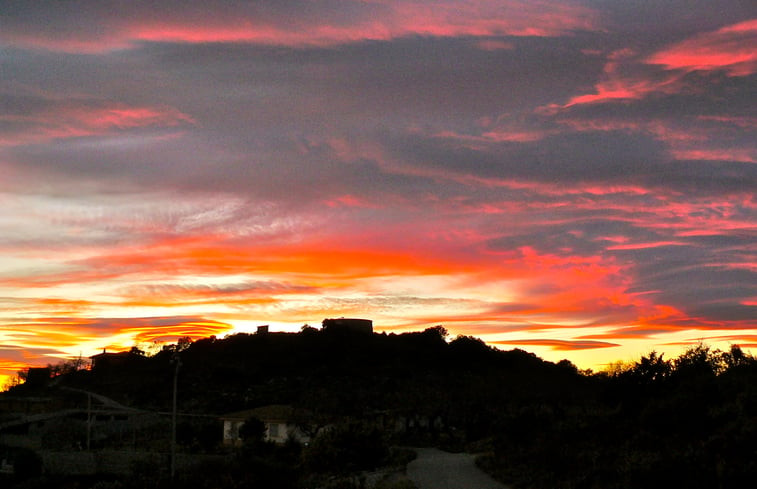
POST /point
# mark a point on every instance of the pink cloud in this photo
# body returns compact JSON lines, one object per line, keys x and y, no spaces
{"x":628,"y":76}
{"x":87,"y":118}
{"x":732,"y":49}
{"x":698,"y":138}
{"x":644,"y":246}
{"x":504,"y":133}
{"x":623,"y":78}
{"x":746,"y":155}
{"x":349,"y":200}
{"x":310,"y":25}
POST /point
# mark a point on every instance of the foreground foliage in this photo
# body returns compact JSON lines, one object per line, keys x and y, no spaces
{"x":686,"y":422}
{"x":690,"y":422}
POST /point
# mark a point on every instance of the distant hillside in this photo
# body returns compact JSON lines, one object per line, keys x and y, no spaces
{"x":335,"y":372}
{"x":684,"y":422}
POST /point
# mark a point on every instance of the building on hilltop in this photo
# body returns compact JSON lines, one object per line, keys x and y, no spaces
{"x":107,"y":361}
{"x":351,"y":325}
{"x":38,"y":376}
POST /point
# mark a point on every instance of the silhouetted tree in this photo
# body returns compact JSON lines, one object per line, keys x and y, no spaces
{"x":438,"y":330}
{"x":650,"y":369}
{"x":252,"y":430}
{"x":468,"y":347}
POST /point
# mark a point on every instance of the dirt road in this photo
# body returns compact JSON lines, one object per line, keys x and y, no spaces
{"x":435,"y":469}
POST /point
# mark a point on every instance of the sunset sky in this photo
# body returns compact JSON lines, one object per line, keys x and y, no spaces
{"x":574,"y":178}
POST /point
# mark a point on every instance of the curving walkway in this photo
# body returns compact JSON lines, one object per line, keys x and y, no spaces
{"x":435,"y":469}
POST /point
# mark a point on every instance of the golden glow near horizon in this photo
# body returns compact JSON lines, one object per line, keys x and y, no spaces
{"x":540,"y":176}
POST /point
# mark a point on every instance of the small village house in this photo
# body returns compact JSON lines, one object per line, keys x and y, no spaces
{"x":279,"y":420}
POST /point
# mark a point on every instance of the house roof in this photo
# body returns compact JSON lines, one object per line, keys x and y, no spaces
{"x":110,"y":354}
{"x":273,"y":412}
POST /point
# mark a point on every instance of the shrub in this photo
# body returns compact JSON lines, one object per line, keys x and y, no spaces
{"x":347,"y":448}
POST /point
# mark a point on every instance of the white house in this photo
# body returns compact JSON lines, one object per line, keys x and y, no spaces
{"x":279,"y":421}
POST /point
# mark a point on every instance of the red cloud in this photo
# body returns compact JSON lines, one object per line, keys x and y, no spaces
{"x":310,"y":24}
{"x":86,"y":118}
{"x":623,"y":79}
{"x":627,"y":76}
{"x":732,"y":49}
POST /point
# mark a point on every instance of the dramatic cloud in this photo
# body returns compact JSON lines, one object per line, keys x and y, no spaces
{"x":52,"y":340}
{"x":729,"y":49}
{"x":572,"y":177}
{"x":93,"y":27}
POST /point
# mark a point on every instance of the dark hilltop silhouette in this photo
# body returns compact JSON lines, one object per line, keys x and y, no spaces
{"x":330,"y":407}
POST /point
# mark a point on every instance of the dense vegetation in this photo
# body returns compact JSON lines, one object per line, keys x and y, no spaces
{"x":686,"y":422}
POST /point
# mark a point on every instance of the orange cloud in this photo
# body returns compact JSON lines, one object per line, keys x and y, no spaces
{"x":559,"y":345}
{"x":209,"y":256}
{"x":59,"y":306}
{"x":65,"y":334}
{"x":742,"y":340}
{"x":426,"y":274}
{"x":44,"y":341}
{"x":10,"y":368}
{"x":171,"y":333}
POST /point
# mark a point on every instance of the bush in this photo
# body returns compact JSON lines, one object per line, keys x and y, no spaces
{"x":350,"y":447}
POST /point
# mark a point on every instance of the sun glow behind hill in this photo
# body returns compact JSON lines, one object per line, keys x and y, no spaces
{"x":546,"y":176}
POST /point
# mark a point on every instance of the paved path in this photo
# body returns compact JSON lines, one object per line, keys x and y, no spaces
{"x":435,"y":469}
